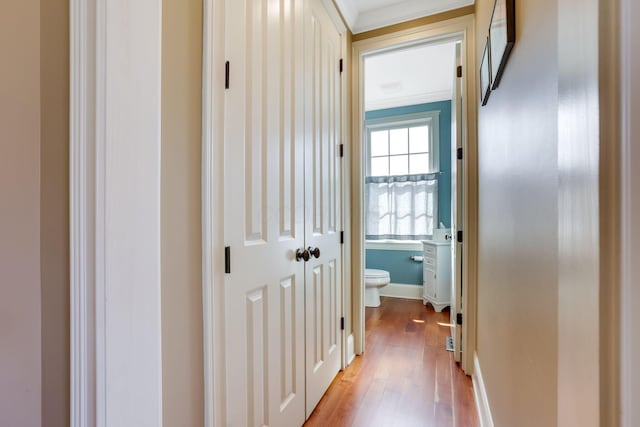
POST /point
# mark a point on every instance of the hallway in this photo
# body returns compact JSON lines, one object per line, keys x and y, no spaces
{"x":406,"y":377}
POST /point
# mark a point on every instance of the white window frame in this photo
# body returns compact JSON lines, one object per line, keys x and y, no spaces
{"x":431,"y":119}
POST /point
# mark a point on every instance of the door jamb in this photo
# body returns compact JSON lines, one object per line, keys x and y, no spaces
{"x":341,"y":27}
{"x":465,"y":27}
{"x":213,"y":75}
{"x":629,"y":230}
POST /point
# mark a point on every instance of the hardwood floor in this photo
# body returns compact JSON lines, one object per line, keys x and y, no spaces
{"x":405,"y":378}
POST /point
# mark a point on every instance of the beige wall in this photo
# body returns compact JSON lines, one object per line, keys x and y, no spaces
{"x":54,"y":210}
{"x":34,"y":198}
{"x":34,"y":246}
{"x":20,"y":338}
{"x":182,"y":351}
{"x":518,"y":210}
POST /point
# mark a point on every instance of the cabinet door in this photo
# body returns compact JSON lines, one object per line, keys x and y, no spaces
{"x":429,"y":281}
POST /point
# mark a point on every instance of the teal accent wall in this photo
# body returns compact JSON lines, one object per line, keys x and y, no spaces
{"x":444,"y":179}
{"x":400,"y":267}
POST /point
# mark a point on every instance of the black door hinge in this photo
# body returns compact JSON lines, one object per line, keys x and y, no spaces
{"x":226,"y":75}
{"x":340,"y":64}
{"x":459,"y":236}
{"x":459,"y":71}
{"x":458,"y":318}
{"x":459,"y":153}
{"x":341,"y":150}
{"x":342,"y":323}
{"x":342,"y":237}
{"x":227,"y":259}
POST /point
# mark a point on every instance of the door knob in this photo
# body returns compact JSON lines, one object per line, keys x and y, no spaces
{"x":314,"y":251}
{"x":302,"y":254}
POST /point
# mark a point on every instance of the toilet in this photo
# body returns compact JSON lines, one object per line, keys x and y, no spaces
{"x":373,"y":281}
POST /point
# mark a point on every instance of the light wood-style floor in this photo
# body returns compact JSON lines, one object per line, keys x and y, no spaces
{"x":405,"y":378}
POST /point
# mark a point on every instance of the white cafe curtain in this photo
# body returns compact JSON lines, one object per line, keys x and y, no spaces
{"x":401,"y":207}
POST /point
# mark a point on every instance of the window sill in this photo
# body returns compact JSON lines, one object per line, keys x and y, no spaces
{"x":394,"y":245}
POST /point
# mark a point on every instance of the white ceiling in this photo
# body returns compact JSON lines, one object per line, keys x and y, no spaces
{"x":364,"y":15}
{"x":410,"y":76}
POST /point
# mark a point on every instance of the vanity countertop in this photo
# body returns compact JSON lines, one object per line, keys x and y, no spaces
{"x":437,"y":242}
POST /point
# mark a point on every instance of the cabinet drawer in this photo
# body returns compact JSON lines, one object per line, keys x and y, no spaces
{"x":429,"y":250}
{"x":429,"y":262}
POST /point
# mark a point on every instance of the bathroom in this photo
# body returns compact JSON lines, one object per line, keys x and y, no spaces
{"x":410,"y":130}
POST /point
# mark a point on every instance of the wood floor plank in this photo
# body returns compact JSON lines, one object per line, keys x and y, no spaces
{"x":405,"y":378}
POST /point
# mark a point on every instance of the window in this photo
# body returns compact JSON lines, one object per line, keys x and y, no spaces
{"x":401,"y":184}
{"x":405,"y":145}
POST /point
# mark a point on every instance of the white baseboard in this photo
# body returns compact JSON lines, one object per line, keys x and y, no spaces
{"x":351,"y":354}
{"x":480,"y":394}
{"x":399,"y":290}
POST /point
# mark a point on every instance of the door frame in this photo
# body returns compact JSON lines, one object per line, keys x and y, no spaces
{"x":629,"y":231}
{"x":114,"y":187}
{"x":213,"y":75}
{"x":342,"y":28}
{"x":462,"y":28}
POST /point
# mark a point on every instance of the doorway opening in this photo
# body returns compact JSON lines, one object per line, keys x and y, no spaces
{"x":411,"y":133}
{"x":413,"y":162}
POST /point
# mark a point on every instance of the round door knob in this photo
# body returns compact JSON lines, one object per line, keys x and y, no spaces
{"x":302,"y":254}
{"x":314,"y":251}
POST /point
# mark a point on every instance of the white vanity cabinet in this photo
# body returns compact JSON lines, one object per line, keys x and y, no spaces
{"x":436,"y":274}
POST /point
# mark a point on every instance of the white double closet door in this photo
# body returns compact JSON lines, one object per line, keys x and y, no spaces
{"x":282,"y":195}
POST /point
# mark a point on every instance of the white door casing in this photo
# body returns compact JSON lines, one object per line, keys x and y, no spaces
{"x":456,"y":209}
{"x":264,"y":208}
{"x":322,"y":200}
{"x":115,"y":121}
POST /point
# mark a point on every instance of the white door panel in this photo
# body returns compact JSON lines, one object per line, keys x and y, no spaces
{"x":264,"y":214}
{"x":322,"y":195}
{"x":282,"y":188}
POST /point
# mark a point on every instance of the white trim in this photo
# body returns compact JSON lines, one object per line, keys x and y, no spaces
{"x":630,"y":210}
{"x":458,"y":28}
{"x":430,"y":118}
{"x":404,"y":11}
{"x":480,"y":395}
{"x":401,"y":290}
{"x":347,"y":345}
{"x":336,"y":18}
{"x":394,"y":245}
{"x":348,"y":10}
{"x":351,"y":354}
{"x":115,"y":306}
{"x":360,"y":21}
{"x":82,"y":192}
{"x":213,"y":46}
